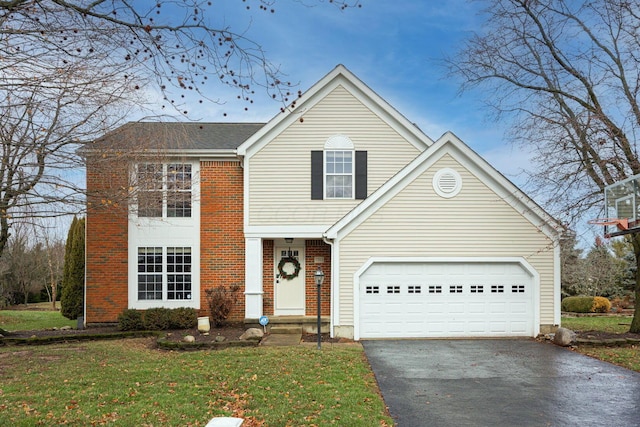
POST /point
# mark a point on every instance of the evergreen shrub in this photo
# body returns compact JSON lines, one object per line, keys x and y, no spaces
{"x":130,"y":320}
{"x":157,"y":319}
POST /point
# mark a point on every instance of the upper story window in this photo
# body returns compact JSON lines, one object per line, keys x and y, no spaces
{"x":339,"y":171}
{"x":338,"y":174}
{"x":164,"y":190}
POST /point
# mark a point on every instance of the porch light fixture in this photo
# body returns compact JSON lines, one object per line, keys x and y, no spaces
{"x":319,"y":278}
{"x":289,"y":240}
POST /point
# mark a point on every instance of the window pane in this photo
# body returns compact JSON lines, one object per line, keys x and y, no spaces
{"x":149,"y":261}
{"x":149,"y":176}
{"x":339,"y":174}
{"x":179,"y":204}
{"x":149,"y":286}
{"x":179,"y":285}
{"x":149,"y":203}
{"x":179,"y":177}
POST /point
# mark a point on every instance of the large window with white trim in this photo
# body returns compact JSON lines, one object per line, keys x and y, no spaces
{"x":164,"y":190}
{"x":164,"y":274}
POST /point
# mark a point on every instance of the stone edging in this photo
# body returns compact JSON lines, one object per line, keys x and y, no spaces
{"x":161,"y":341}
{"x":52,"y":339}
{"x":609,"y":342}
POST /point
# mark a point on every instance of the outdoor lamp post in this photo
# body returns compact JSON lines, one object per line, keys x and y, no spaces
{"x":319,"y":277}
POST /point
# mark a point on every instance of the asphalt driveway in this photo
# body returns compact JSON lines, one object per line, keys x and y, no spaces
{"x":500,"y":383}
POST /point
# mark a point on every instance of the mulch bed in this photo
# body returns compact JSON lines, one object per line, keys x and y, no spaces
{"x":231,"y":333}
{"x":598,"y":335}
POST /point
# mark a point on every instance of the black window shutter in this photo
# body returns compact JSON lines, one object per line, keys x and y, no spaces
{"x":317,"y":175}
{"x":361,"y":175}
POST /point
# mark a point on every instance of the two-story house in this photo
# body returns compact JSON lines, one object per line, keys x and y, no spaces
{"x":416,"y":237}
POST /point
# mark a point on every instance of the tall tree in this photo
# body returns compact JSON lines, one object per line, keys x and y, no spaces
{"x":72,"y":299}
{"x":74,"y":69}
{"x":566,"y":73}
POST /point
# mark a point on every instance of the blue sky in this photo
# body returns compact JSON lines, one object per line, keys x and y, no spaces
{"x":395,"y":47}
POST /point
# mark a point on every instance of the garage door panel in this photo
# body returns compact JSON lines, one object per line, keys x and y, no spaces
{"x":445,"y":299}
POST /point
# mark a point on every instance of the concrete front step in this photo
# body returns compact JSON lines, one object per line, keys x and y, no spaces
{"x":289,"y":330}
{"x":307,"y":323}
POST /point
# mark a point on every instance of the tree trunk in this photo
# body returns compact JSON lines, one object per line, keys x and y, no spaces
{"x":635,"y":323}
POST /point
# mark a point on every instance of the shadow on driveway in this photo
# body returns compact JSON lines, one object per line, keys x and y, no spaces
{"x":500,"y":383}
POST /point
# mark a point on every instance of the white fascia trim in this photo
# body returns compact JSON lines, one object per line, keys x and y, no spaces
{"x":281,"y":231}
{"x":213,"y":154}
{"x":335,"y":286}
{"x":339,"y":76}
{"x":433,"y":260}
{"x":557,"y":294}
{"x":448,"y":144}
{"x":247,"y":201}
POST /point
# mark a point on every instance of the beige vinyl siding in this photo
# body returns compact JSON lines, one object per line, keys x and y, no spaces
{"x":419,"y":223}
{"x":280,"y":173}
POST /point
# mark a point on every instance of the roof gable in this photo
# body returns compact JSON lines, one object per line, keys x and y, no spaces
{"x":452,"y":145}
{"x":339,"y":76}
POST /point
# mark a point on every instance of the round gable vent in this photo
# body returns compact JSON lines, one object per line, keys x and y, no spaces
{"x":447,"y":183}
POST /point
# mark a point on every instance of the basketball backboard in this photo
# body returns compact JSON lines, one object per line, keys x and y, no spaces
{"x":621,"y":207}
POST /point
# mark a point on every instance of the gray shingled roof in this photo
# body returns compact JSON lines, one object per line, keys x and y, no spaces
{"x":175,"y":136}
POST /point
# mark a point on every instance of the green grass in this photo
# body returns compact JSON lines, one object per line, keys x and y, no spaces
{"x":126,"y":383}
{"x":27,"y":320}
{"x":627,"y":357}
{"x":612,"y":324}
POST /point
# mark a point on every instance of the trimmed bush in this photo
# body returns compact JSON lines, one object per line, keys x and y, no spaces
{"x":130,"y":320}
{"x":184,"y":318}
{"x":600,"y":305}
{"x":586,"y":305}
{"x":157,"y":319}
{"x":577,"y":304}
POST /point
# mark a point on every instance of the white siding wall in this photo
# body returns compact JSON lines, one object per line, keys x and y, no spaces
{"x":280,"y":173}
{"x":419,"y":223}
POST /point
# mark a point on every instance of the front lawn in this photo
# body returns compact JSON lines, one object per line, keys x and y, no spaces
{"x":27,"y":320}
{"x":127,"y":383}
{"x":627,"y":357}
{"x":612,"y":324}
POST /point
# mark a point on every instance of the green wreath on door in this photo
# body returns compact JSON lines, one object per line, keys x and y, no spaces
{"x":296,"y":268}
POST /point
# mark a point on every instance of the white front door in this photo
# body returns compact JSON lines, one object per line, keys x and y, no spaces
{"x":289,"y":298}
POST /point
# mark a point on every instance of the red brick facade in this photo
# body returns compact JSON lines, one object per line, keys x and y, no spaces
{"x":106,"y":240}
{"x":221,"y":232}
{"x":316,"y":249}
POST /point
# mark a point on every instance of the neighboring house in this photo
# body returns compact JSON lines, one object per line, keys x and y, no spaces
{"x":417,"y":238}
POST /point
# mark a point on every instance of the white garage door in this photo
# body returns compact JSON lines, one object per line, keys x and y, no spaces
{"x":457,"y":299}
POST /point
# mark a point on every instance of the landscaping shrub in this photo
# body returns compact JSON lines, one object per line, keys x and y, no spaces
{"x":600,"y":305}
{"x":72,"y":298}
{"x":184,"y":318}
{"x":221,"y":301}
{"x":586,"y":305}
{"x":157,"y":319}
{"x":130,"y":320}
{"x":577,"y":304}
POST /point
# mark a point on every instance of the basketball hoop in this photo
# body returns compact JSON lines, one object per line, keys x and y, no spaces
{"x":621,"y":223}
